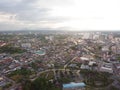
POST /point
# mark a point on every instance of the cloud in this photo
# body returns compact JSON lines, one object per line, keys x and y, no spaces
{"x":23,"y":9}
{"x":28,"y":12}
{"x":61,"y":14}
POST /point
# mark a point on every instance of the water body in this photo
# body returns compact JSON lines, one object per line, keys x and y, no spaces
{"x":40,"y":52}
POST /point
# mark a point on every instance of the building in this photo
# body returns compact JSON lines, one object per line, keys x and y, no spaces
{"x":74,"y":86}
{"x":26,"y":45}
{"x":107,"y":67}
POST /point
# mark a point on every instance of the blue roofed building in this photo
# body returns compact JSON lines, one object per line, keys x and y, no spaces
{"x":74,"y":86}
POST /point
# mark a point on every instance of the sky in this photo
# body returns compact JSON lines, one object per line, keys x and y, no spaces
{"x":78,"y":15}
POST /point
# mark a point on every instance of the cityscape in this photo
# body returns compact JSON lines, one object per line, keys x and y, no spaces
{"x":59,"y":44}
{"x":59,"y":60}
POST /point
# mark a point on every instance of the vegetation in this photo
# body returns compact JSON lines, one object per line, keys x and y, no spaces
{"x":94,"y":78}
{"x":118,"y":58}
{"x":113,"y":88}
{"x":11,"y":49}
{"x":22,"y":71}
{"x":20,"y":74}
{"x":60,"y":37}
{"x":74,"y":47}
{"x":33,"y":65}
{"x":49,"y":75}
{"x":39,"y":84}
{"x":7,"y":85}
{"x":64,"y":80}
{"x":0,"y":88}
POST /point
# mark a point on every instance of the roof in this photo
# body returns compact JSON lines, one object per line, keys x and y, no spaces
{"x":74,"y":85}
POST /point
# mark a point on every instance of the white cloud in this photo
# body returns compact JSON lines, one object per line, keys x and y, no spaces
{"x":64,"y":14}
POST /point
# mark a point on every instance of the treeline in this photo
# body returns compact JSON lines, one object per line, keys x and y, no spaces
{"x":11,"y":49}
{"x":93,"y":78}
{"x":20,"y":75}
{"x":22,"y":71}
{"x":39,"y":84}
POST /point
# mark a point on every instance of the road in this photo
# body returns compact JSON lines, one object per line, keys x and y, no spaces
{"x":53,"y":70}
{"x":69,"y":62}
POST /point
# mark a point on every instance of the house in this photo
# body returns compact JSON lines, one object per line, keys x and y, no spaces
{"x":83,"y":66}
{"x":107,"y":67}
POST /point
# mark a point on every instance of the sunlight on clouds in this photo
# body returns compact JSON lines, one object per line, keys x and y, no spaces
{"x":65,"y":14}
{"x":90,"y":15}
{"x":4,"y":17}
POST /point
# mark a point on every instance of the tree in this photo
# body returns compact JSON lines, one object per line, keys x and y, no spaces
{"x":39,"y":84}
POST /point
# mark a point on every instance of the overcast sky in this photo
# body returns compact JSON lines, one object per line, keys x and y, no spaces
{"x":60,"y":15}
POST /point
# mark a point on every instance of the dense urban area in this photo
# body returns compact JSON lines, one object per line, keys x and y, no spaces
{"x":51,"y":60}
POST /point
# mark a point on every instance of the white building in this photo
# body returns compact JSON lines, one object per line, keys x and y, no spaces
{"x":26,"y":45}
{"x":107,"y":67}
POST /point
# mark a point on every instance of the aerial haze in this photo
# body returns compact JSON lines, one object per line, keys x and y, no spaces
{"x":59,"y":44}
{"x":60,"y":15}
